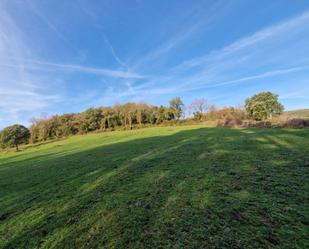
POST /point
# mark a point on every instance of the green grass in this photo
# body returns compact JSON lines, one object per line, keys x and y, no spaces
{"x":166,"y":187}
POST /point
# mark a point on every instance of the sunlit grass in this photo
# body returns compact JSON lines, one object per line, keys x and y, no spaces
{"x":173,"y":187}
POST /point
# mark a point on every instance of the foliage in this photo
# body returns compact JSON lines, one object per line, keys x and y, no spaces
{"x":91,"y":119}
{"x":100,"y":118}
{"x":258,"y":124}
{"x":162,"y":187}
{"x":278,"y":123}
{"x":14,"y":135}
{"x":130,"y":115}
{"x":177,"y":106}
{"x":297,"y":123}
{"x":263,"y":106}
{"x":198,"y":115}
{"x":211,"y":114}
{"x":230,"y":116}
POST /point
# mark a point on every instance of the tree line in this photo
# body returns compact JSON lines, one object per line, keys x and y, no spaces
{"x":258,"y":107}
{"x":103,"y":118}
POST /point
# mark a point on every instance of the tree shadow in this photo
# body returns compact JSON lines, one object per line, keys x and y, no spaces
{"x":201,"y":188}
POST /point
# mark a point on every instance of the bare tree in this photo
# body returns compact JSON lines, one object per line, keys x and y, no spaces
{"x":199,"y":106}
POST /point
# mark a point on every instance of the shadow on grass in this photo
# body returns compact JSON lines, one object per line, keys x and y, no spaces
{"x":201,"y":188}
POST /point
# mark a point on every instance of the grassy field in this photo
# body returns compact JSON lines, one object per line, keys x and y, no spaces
{"x":165,"y":187}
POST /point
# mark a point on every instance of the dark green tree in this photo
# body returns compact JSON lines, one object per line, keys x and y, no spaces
{"x":102,"y":118}
{"x":263,"y":105}
{"x":92,"y":119}
{"x":197,"y":115}
{"x":14,"y":135}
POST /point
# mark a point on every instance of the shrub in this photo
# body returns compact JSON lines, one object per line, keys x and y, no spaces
{"x":230,"y":117}
{"x":257,"y":124}
{"x":297,"y":123}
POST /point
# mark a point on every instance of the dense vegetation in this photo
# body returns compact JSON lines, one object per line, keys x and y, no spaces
{"x":259,"y":107}
{"x":101,"y":118}
{"x":162,"y":187}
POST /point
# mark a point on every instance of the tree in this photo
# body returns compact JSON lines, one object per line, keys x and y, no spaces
{"x":141,"y":113}
{"x":197,"y":115}
{"x":199,"y":107}
{"x":130,"y":114}
{"x":120,"y":115}
{"x":177,"y":105}
{"x":92,"y":119}
{"x":263,"y":106}
{"x":14,"y":135}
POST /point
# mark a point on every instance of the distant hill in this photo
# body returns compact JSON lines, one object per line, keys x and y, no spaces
{"x":302,"y":113}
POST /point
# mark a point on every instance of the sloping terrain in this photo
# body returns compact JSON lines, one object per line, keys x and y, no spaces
{"x":165,"y":187}
{"x":303,"y":113}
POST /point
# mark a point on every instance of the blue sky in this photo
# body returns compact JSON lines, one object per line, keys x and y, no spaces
{"x":65,"y":56}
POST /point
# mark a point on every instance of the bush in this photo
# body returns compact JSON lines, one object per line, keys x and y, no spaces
{"x":297,"y":123}
{"x":258,"y":124}
{"x":291,"y":123}
{"x":230,"y":117}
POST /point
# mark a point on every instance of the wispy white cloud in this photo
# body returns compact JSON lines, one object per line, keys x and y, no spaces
{"x":20,"y":91}
{"x":198,"y":18}
{"x":48,"y":23}
{"x":254,"y":77}
{"x":89,"y":13}
{"x":29,"y":85}
{"x":45,"y":66}
{"x":27,"y":81}
{"x":284,"y":28}
{"x":145,"y":90}
{"x":111,"y":48}
{"x":276,"y":48}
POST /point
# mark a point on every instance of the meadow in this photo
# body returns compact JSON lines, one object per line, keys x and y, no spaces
{"x":161,"y":187}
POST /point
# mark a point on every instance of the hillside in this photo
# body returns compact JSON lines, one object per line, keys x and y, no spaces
{"x":303,"y":113}
{"x":163,"y":187}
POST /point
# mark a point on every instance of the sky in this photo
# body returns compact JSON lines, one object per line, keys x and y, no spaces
{"x":66,"y":56}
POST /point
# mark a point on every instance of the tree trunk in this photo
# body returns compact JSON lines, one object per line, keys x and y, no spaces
{"x":16,"y":145}
{"x":139,"y":117}
{"x":103,"y":124}
{"x":130,"y":122}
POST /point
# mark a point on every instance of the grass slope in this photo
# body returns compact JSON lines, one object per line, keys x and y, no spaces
{"x":303,"y":113}
{"x":181,"y":187}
